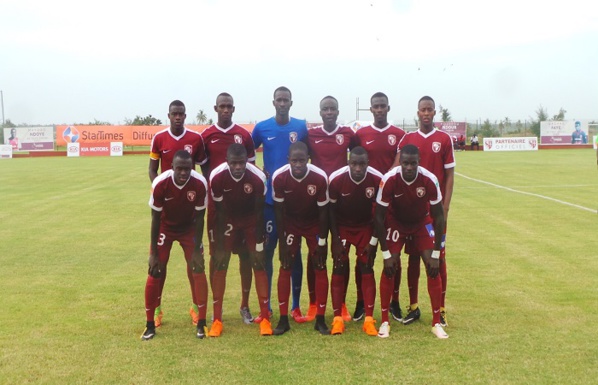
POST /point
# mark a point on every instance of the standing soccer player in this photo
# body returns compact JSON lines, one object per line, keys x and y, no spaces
{"x":328,"y":148}
{"x":217,"y":139}
{"x":411,"y":197}
{"x":353,"y":191}
{"x":164,"y":146}
{"x":380,"y":141}
{"x":238,"y":190}
{"x":437,"y":156}
{"x":276,"y":135}
{"x":301,"y":202}
{"x":178,"y":201}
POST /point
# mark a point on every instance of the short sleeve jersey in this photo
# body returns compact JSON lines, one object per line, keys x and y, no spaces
{"x":276,"y":140}
{"x":409,"y":201}
{"x":435,"y":152}
{"x":178,"y":204}
{"x":301,"y":197}
{"x":328,"y":150}
{"x":238,"y":196}
{"x":217,"y":140}
{"x":381,"y":145}
{"x":354,"y":201}
{"x":165,"y":145}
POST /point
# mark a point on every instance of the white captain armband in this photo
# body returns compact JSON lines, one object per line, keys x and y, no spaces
{"x":373,"y":241}
{"x":386,"y":254}
{"x":321,"y":242}
{"x":435,"y":254}
{"x":259,"y":247}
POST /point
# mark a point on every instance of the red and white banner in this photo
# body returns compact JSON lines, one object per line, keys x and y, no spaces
{"x":5,"y":151}
{"x":511,"y":144}
{"x":564,"y":132}
{"x":30,"y":138}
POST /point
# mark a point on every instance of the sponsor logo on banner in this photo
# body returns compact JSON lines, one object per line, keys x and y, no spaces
{"x":94,"y":149}
{"x":511,"y":144}
{"x":70,"y":134}
{"x":116,"y":148}
{"x":72,"y":150}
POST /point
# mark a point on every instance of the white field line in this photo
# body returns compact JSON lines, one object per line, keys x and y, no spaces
{"x":528,"y":193}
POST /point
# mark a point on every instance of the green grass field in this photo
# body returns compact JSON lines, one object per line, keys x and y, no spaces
{"x":522,"y":296}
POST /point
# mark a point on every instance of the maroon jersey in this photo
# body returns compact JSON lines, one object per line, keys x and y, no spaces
{"x":328,"y":150}
{"x":217,"y":139}
{"x":238,"y":196}
{"x":409,"y":202}
{"x":178,"y":204}
{"x":165,"y":145}
{"x":354,"y":201}
{"x":381,"y":145}
{"x":435,"y":152}
{"x":301,"y":197}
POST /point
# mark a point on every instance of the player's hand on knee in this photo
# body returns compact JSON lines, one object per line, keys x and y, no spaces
{"x":198,"y":262}
{"x":259,"y":260}
{"x":155,"y":269}
{"x":371,"y":256}
{"x":390,"y":266}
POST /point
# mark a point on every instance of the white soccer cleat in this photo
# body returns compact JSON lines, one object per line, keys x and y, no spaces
{"x":439,"y":332}
{"x":384,"y":330}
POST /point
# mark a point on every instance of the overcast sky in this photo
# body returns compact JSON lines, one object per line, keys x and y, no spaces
{"x":67,"y":61}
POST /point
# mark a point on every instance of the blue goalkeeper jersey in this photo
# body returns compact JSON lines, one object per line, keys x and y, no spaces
{"x":276,"y":140}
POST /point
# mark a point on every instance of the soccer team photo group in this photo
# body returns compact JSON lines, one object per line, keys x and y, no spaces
{"x":351,"y":197}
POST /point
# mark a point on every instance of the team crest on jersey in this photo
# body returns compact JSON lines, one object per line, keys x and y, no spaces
{"x":436,"y":146}
{"x":420,"y":191}
{"x":191,"y":195}
{"x":293,"y":136}
{"x":311,"y":189}
{"x":369,"y":192}
{"x":392,"y":140}
{"x":238,"y":139}
{"x":340,"y":139}
{"x":248,"y":188}
{"x":189,"y":148}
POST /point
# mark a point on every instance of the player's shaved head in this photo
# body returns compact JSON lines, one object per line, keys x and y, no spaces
{"x":298,"y":146}
{"x":379,"y":95}
{"x":236,"y":149}
{"x":426,"y":98}
{"x":182,"y":154}
{"x":223,"y":94}
{"x":410,"y":149}
{"x":176,"y":103}
{"x":284,"y":89}
{"x":359,"y":151}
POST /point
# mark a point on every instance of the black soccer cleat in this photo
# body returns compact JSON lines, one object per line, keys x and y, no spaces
{"x":412,"y":316}
{"x":395,"y":311}
{"x":282,"y":327}
{"x":321,"y":326}
{"x":359,"y":311}
{"x":148,"y":333}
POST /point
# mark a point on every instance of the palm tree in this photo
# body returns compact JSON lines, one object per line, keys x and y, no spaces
{"x":201,"y":117}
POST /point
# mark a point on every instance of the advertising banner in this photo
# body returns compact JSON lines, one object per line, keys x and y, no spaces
{"x":95,"y":149}
{"x":511,"y":144}
{"x":564,"y":132}
{"x":30,"y":138}
{"x":454,"y":129}
{"x":5,"y":151}
{"x":128,"y":135}
{"x":116,"y":148}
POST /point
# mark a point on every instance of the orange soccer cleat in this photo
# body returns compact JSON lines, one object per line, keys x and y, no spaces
{"x":338,"y":326}
{"x":216,"y":329}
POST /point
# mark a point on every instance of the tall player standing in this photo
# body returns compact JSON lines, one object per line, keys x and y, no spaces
{"x":164,"y":146}
{"x":178,"y":201}
{"x":328,"y":148}
{"x":437,"y":156}
{"x":380,"y":141}
{"x":352,"y":191}
{"x":301,"y":202}
{"x":217,"y":138}
{"x":276,"y":135}
{"x":238,"y":190}
{"x":411,"y":197}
